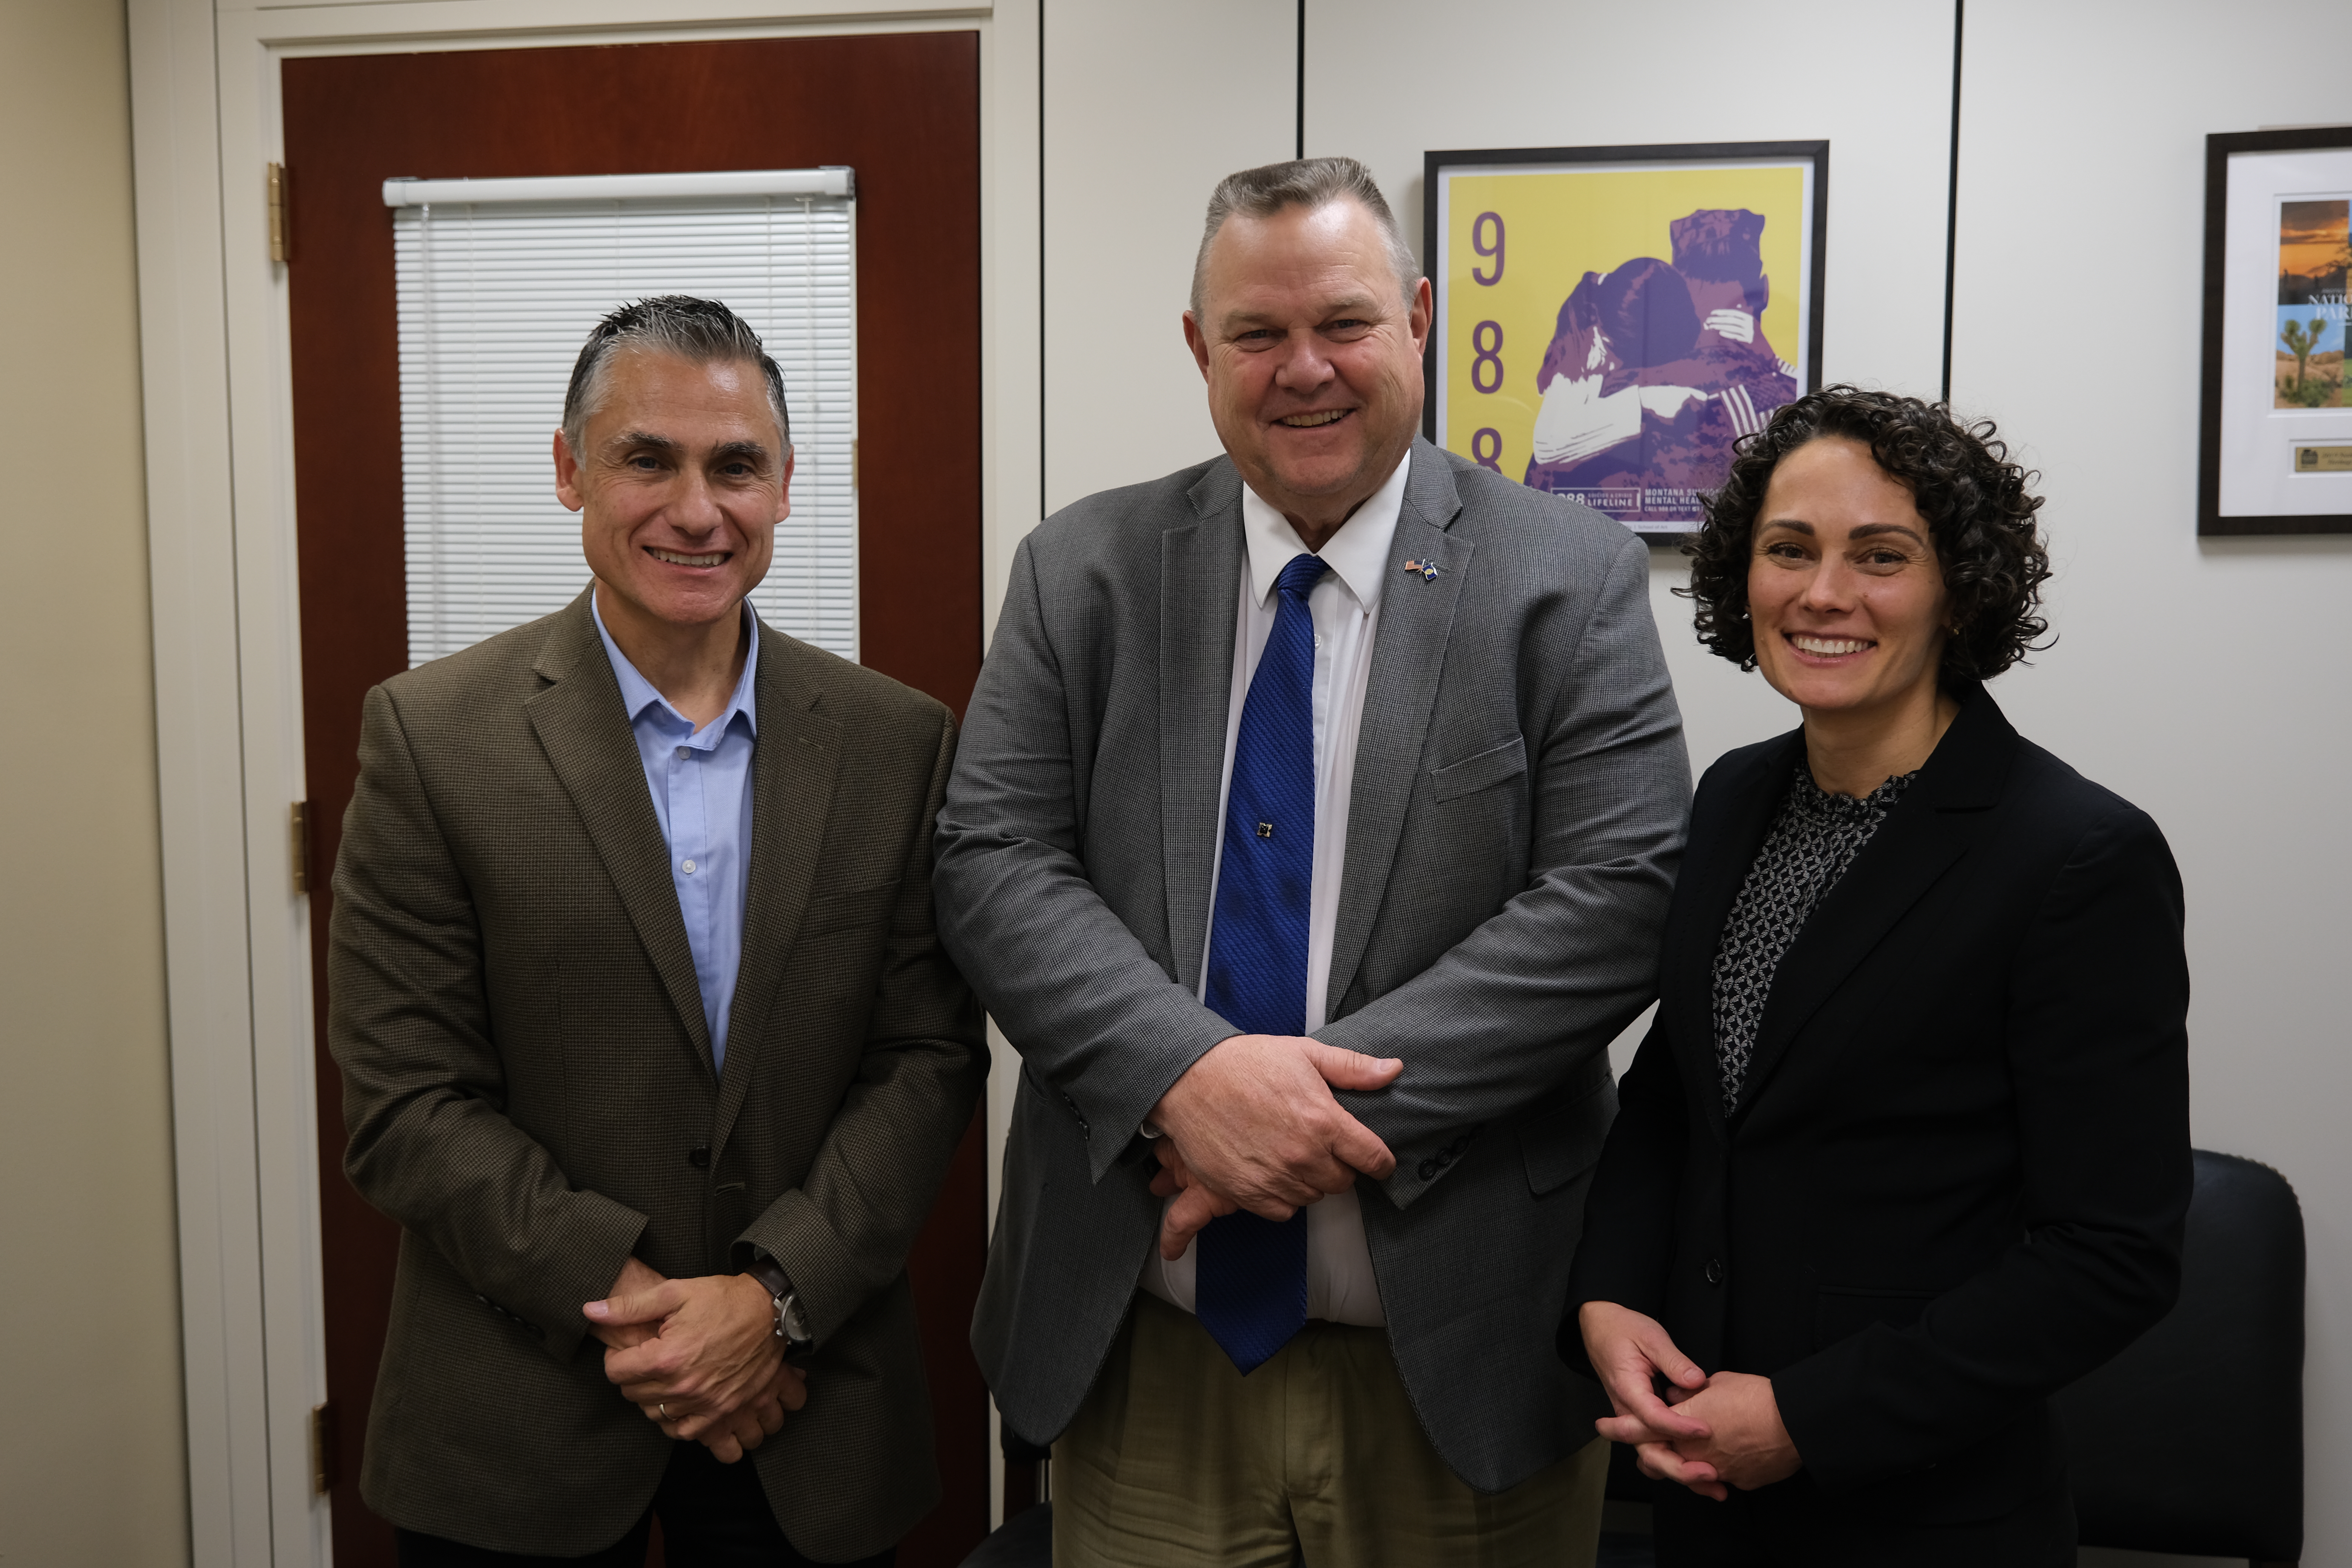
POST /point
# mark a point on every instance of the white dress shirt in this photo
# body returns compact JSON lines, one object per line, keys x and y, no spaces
{"x":1346,"y":608}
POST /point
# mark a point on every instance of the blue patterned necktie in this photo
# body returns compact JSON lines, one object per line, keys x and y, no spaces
{"x":1251,"y":1284}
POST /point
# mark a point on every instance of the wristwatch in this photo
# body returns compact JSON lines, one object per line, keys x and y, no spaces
{"x":791,"y":1323}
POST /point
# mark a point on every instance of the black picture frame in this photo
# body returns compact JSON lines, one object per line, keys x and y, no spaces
{"x":1435,"y":163}
{"x":2218,"y":147}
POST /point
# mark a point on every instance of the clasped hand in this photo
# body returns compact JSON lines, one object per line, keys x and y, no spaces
{"x":1706,"y":1433}
{"x":699,"y":1356}
{"x":1737,"y":325}
{"x":1251,"y":1125}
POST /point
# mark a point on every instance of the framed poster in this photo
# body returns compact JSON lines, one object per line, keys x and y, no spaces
{"x":1610,"y":319}
{"x":2274,"y":447}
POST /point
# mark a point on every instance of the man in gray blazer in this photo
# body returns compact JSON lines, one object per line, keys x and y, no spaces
{"x":1310,"y":840}
{"x":646,"y":1038}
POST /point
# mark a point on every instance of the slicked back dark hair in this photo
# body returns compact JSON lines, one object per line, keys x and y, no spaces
{"x":701,"y":332}
{"x":1978,"y":504}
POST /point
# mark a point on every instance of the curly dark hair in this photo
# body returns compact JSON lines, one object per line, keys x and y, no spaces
{"x":1978,"y":509}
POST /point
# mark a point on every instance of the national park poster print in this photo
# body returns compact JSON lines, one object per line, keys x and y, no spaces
{"x":1611,"y":320}
{"x":2315,"y":252}
{"x":2274,"y":403}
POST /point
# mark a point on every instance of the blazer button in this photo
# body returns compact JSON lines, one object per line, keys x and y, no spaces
{"x":1427,"y":1169}
{"x":699,"y":1158}
{"x":1715,"y":1270}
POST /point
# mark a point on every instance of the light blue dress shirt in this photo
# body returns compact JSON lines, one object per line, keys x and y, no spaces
{"x":701,"y":783}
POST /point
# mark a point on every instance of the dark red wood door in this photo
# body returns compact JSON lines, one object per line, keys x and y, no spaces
{"x":903,"y":110}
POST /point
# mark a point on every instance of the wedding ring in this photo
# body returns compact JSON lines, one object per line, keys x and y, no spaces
{"x":664,"y":1409}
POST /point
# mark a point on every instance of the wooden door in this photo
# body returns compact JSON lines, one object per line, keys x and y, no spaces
{"x":903,"y":110}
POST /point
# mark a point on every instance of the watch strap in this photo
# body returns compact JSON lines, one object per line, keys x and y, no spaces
{"x":771,"y":1276}
{"x":792,"y":1324}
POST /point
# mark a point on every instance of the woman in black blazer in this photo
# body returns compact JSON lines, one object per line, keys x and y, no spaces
{"x":1907,"y":1150}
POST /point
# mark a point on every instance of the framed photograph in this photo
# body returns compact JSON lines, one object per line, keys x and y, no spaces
{"x":2274,"y":447}
{"x":1610,"y":319}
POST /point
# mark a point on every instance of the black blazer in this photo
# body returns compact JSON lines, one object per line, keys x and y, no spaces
{"x":1956,"y":1178}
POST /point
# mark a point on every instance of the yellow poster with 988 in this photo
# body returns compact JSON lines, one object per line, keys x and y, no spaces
{"x":1607,"y":332}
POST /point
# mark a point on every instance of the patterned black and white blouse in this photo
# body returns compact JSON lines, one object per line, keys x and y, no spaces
{"x":1813,"y":842}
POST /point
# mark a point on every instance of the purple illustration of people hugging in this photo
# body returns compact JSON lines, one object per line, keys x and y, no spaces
{"x":1654,"y":369}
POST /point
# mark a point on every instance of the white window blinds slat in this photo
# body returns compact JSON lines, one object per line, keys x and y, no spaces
{"x":495,"y":300}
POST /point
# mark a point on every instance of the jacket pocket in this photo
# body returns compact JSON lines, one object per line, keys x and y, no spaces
{"x":872,"y":896}
{"x":1483,"y":771}
{"x":1841,"y":1312}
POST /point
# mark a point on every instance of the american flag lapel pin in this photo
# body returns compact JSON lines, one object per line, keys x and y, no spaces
{"x":1425,"y":570}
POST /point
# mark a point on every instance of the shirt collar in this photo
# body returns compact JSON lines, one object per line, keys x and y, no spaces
{"x":1359,"y":553}
{"x":637,"y":693}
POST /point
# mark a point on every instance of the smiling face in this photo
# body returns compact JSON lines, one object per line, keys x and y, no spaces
{"x":1844,"y":591}
{"x":680,"y":484}
{"x":1312,"y":356}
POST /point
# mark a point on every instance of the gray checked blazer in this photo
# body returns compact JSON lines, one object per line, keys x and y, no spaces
{"x":528,"y":1087}
{"x":1518,"y":812}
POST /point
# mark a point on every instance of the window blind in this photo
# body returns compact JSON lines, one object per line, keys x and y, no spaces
{"x":496,"y":298}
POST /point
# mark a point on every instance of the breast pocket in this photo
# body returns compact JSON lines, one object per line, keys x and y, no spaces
{"x":1483,"y":771}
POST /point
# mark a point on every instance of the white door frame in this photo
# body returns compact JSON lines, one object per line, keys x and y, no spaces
{"x":218,"y":393}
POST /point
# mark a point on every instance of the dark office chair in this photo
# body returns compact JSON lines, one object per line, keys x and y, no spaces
{"x":1024,"y":1541}
{"x":2191,"y":1440}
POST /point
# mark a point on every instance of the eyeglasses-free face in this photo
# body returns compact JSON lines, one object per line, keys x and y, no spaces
{"x":1845,"y":590}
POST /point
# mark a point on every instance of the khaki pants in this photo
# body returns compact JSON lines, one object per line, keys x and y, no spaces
{"x":1177,"y":1460}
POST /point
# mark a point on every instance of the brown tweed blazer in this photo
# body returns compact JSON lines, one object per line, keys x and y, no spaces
{"x":529,"y":1089}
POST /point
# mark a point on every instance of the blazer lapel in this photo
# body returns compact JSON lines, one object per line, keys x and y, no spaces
{"x":1723,"y":846}
{"x":1199,"y":584}
{"x":585,"y":734}
{"x":795,"y":762}
{"x":1408,"y":654}
{"x":1926,"y":834}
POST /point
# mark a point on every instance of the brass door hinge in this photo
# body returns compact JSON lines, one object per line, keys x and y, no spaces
{"x":322,"y":1449}
{"x":280,"y":249}
{"x":299,"y":828}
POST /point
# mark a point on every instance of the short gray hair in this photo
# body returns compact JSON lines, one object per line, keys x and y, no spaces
{"x":701,"y":332}
{"x":1309,"y":183}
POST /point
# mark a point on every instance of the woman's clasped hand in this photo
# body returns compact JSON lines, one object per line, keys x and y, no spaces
{"x":1708,"y":1433}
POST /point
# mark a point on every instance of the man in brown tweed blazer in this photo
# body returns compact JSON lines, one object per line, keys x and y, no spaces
{"x":648,"y":1039}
